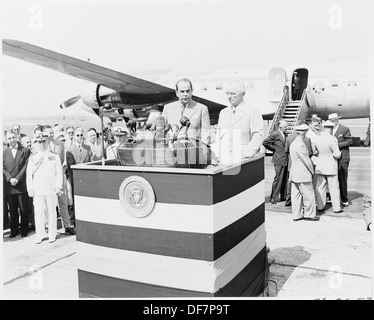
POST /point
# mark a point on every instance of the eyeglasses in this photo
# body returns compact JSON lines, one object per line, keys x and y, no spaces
{"x":42,"y":141}
{"x":63,"y":140}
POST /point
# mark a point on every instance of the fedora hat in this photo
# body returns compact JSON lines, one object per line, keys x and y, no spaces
{"x":302,"y":127}
{"x":333,"y":116}
{"x":328,"y":123}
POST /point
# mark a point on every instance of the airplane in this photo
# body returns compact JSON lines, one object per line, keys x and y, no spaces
{"x":327,"y":88}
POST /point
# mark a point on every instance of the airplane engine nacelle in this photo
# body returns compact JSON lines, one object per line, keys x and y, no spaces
{"x":97,"y":96}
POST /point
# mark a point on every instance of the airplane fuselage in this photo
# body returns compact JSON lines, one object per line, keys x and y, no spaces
{"x":345,"y":94}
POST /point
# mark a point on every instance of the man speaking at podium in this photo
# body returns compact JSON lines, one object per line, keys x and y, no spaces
{"x":240,"y":128}
{"x":197,"y":113}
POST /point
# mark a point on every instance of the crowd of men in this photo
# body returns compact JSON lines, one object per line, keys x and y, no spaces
{"x":38,"y":183}
{"x":310,"y":164}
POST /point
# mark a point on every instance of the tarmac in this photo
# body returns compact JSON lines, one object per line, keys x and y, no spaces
{"x":328,"y":259}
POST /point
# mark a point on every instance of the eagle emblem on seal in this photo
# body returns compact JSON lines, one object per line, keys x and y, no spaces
{"x":137,"y":199}
{"x":137,"y":196}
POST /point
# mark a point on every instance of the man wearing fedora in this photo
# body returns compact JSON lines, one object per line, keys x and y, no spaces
{"x":343,"y":134}
{"x":301,"y":177}
{"x":326,"y":170}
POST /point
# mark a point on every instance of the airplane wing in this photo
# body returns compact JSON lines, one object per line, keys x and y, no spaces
{"x":143,"y":91}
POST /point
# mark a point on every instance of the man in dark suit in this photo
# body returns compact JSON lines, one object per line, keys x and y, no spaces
{"x":343,"y":134}
{"x":15,"y":158}
{"x":76,"y":153}
{"x":296,"y":84}
{"x":276,"y":142}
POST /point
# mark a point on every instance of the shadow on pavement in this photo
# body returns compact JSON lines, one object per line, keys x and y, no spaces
{"x":286,"y":261}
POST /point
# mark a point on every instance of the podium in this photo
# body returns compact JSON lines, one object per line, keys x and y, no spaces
{"x":148,"y":232}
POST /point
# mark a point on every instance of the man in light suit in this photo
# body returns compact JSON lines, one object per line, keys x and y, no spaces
{"x":289,"y":140}
{"x":343,"y":134}
{"x":327,"y":168}
{"x":301,"y":177}
{"x":197,"y":113}
{"x":239,"y":130}
{"x":276,"y":142}
{"x":15,"y":159}
{"x":44,"y":183}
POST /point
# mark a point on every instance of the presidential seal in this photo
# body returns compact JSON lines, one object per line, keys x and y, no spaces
{"x":137,"y":196}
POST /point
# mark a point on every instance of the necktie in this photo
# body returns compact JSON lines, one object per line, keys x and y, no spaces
{"x":183,"y":108}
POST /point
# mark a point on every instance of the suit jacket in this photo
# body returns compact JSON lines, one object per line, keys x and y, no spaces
{"x":290,"y":139}
{"x":301,"y":166}
{"x":328,"y":153}
{"x":15,"y":168}
{"x":276,"y":142}
{"x":198,"y":115}
{"x":244,"y":128}
{"x":74,"y":156}
{"x":343,"y":134}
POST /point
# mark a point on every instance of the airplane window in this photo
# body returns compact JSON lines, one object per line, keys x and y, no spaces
{"x":204,"y":86}
{"x":251,"y":86}
{"x":334,"y":83}
{"x":219,"y":86}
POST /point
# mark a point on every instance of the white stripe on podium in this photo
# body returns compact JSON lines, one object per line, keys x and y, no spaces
{"x":174,"y":217}
{"x":187,"y":274}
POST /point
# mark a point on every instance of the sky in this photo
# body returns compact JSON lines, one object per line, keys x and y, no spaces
{"x":156,"y":35}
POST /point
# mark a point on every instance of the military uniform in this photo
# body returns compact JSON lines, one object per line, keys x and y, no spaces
{"x":44,"y":178}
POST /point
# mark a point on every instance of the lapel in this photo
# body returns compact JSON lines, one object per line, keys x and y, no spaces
{"x":17,"y":157}
{"x":84,"y":153}
{"x":9,"y":159}
{"x":338,"y":130}
{"x":239,"y":114}
{"x":281,"y":136}
{"x":192,"y":109}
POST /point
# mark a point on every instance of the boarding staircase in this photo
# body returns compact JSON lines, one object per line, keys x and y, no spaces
{"x":291,"y":111}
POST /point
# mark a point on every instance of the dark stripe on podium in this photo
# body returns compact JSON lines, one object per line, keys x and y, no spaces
{"x":232,"y":181}
{"x":249,"y":282}
{"x":168,"y":187}
{"x":173,"y":188}
{"x":189,"y":245}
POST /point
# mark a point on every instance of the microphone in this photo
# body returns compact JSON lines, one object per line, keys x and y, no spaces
{"x":160,"y":127}
{"x":131,"y":124}
{"x":185,"y":122}
{"x":174,"y":131}
{"x":160,"y":123}
{"x":148,"y":126}
{"x":167,"y":127}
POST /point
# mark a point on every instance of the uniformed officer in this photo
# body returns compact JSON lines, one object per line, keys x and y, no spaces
{"x":44,"y":183}
{"x":119,"y":136}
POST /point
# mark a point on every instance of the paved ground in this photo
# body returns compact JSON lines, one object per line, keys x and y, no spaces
{"x":330,"y":259}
